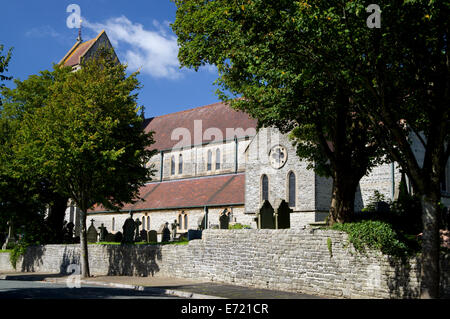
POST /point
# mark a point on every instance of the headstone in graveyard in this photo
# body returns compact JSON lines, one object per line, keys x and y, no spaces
{"x":264,"y":217}
{"x":129,"y":229}
{"x":166,"y":233}
{"x":152,"y":236}
{"x":224,"y":219}
{"x":68,"y":233}
{"x":110,"y":238}
{"x":201,"y":222}
{"x":92,"y":234}
{"x":143,"y":234}
{"x":137,"y":236}
{"x":282,"y":214}
{"x":174,"y":226}
{"x":194,"y":234}
{"x":118,"y":237}
{"x":103,"y":232}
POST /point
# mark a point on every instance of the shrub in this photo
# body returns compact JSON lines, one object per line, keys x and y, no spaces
{"x":374,"y":234}
{"x":18,"y":250}
{"x":238,"y":226}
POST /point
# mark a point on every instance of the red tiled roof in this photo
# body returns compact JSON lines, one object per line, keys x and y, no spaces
{"x":217,"y":115}
{"x":75,"y":56}
{"x":194,"y":192}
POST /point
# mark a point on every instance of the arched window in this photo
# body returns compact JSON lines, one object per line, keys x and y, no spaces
{"x":291,"y":189}
{"x":172,"y":165}
{"x":264,"y":187}
{"x":148,"y":222}
{"x":185,"y":221}
{"x":217,"y":158}
{"x":180,"y":164}
{"x":143,"y":223}
{"x":113,"y":226}
{"x":209,"y":161}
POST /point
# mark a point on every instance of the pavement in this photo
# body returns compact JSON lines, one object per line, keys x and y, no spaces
{"x":184,"y":288}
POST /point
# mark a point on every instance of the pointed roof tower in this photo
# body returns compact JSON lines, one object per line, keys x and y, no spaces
{"x":83,"y":50}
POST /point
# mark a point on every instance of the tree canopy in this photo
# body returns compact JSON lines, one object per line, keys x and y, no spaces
{"x":264,"y":51}
{"x":324,"y":69}
{"x":87,"y":137}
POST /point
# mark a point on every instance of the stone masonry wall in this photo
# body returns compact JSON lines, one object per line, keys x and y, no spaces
{"x":318,"y":262}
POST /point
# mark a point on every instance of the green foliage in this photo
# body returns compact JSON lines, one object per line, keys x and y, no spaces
{"x":373,"y":200}
{"x":25,"y":193}
{"x":277,"y":56}
{"x":238,"y":226}
{"x":87,"y":139}
{"x":4,"y":61}
{"x":18,"y":251}
{"x":405,"y":213}
{"x":374,"y":234}
{"x":330,"y":246}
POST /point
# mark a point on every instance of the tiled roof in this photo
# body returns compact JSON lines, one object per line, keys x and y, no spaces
{"x":73,"y":57}
{"x":217,"y":115}
{"x":219,"y":190}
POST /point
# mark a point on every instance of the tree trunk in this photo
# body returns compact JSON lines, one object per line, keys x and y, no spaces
{"x":430,"y":272}
{"x":55,"y":219}
{"x":8,"y":238}
{"x":343,"y":198}
{"x":83,"y":245}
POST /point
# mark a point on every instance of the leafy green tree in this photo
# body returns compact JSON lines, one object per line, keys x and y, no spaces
{"x":264,"y":53}
{"x":88,"y":139}
{"x":4,"y":61}
{"x":397,"y":75}
{"x":406,"y":69}
{"x":26,"y":192}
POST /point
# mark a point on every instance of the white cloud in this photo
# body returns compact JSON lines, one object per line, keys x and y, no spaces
{"x":154,"y":52}
{"x":42,"y":32}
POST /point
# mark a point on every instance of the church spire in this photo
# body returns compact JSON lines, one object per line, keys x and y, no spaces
{"x":79,"y":39}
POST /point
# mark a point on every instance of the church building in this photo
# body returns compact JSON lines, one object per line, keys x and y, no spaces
{"x":212,"y":158}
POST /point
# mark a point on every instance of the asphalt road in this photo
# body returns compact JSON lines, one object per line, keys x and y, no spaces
{"x":13,"y":289}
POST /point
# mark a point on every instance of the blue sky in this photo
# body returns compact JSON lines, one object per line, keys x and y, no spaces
{"x":139,"y":30}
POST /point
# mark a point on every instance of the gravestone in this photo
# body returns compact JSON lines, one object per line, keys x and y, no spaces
{"x":194,"y":234}
{"x":174,"y":226}
{"x":137,"y":236}
{"x":165,"y":233}
{"x":129,"y":229}
{"x":68,"y":233}
{"x":92,"y":234}
{"x":110,"y":238}
{"x":201,"y":221}
{"x":118,"y":237}
{"x":152,"y":236}
{"x":103,"y":232}
{"x":282,"y":214}
{"x":224,"y":219}
{"x":264,"y":217}
{"x":144,"y":235}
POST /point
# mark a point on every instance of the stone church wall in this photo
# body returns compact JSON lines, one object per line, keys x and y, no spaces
{"x":318,"y":262}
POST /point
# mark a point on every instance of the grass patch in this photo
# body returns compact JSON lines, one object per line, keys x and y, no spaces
{"x":6,"y":251}
{"x":239,"y":226}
